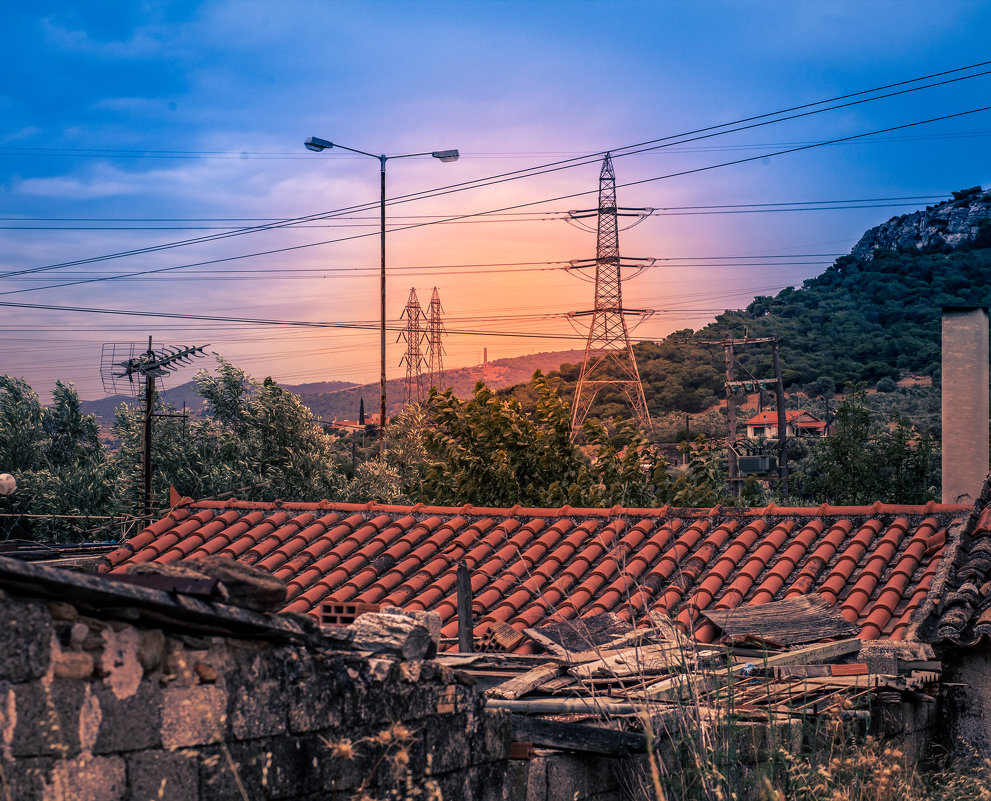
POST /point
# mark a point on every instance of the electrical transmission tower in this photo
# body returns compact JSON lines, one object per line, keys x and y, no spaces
{"x":435,"y":348}
{"x":414,"y":335}
{"x":609,"y":359}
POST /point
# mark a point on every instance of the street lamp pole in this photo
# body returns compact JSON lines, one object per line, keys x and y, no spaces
{"x":317,"y":144}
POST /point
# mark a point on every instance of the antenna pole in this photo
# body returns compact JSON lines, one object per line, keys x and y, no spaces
{"x":146,"y":449}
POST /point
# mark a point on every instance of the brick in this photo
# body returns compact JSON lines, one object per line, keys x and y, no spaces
{"x":162,"y":776}
{"x":193,"y":715}
{"x":25,"y":641}
{"x":129,"y":724}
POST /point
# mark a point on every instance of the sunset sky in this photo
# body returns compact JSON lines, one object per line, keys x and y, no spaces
{"x":127,"y":125}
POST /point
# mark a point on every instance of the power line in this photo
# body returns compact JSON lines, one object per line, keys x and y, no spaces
{"x":707,"y":132}
{"x":505,"y":208}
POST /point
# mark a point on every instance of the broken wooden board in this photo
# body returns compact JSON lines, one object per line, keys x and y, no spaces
{"x":633,"y":662}
{"x":531,"y":680}
{"x":584,"y":633}
{"x":807,"y":618}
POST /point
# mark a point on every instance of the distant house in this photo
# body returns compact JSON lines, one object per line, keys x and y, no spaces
{"x":799,"y":423}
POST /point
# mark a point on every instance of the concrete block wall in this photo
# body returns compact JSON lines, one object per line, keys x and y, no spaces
{"x":102,"y":710}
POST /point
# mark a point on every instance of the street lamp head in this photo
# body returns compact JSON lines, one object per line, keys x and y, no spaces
{"x":444,"y":155}
{"x":316,"y":144}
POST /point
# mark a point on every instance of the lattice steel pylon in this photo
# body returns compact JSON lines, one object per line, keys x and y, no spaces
{"x":435,"y":348}
{"x":609,"y":359}
{"x":414,"y":335}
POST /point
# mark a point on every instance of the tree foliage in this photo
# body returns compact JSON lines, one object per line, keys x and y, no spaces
{"x":490,"y":450}
{"x":864,"y":461}
{"x":256,"y":438}
{"x":56,"y":458}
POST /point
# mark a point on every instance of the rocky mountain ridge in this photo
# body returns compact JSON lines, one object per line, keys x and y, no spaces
{"x":947,"y":224}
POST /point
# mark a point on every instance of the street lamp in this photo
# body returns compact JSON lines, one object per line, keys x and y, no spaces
{"x":316,"y":144}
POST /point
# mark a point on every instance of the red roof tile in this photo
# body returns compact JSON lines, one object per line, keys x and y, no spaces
{"x":529,"y":567}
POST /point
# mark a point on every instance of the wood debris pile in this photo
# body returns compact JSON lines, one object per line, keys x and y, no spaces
{"x":595,"y":698}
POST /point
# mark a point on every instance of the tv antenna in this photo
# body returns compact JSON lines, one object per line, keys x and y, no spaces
{"x":143,"y":367}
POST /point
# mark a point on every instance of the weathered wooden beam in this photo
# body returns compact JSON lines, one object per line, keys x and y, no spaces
{"x":466,"y":642}
{"x":577,"y":737}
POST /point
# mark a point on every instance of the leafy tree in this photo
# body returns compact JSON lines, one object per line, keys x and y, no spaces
{"x":257,"y":438}
{"x":864,"y":461}
{"x":54,"y":454}
{"x":492,"y":451}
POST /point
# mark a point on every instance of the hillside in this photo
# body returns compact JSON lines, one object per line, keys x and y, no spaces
{"x":872,"y":314}
{"x":339,"y":400}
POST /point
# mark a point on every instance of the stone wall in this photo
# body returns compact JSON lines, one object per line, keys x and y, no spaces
{"x":967,"y":722}
{"x":105,"y":710}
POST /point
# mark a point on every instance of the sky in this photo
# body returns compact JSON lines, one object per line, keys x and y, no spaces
{"x":152,"y":164}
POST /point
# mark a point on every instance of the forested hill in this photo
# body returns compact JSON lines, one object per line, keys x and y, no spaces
{"x":868,"y":316}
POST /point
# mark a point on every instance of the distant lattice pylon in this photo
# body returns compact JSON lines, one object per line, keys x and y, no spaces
{"x":609,"y":359}
{"x":435,"y":347}
{"x":413,"y":390}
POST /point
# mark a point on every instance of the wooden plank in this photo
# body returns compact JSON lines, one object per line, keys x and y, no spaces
{"x":787,"y":671}
{"x":521,"y":685}
{"x":681,"y":684}
{"x":576,"y":737}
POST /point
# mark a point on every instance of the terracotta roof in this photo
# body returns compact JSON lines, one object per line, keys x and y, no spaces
{"x":963,"y":606}
{"x":535,"y":566}
{"x":791,"y":415}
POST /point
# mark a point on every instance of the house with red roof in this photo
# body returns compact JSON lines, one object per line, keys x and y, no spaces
{"x":798,"y":423}
{"x":879,"y":565}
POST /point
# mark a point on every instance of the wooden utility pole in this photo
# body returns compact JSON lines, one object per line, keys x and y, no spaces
{"x":733,"y":471}
{"x":782,"y":423}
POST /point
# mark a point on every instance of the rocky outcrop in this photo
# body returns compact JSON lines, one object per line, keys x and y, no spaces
{"x":947,"y":224}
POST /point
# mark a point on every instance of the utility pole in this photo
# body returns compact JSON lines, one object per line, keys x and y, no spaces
{"x":733,"y":470}
{"x":609,"y":359}
{"x":732,"y":385}
{"x":414,"y":336}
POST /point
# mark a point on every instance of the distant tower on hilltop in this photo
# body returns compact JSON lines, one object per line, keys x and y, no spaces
{"x":609,"y":359}
{"x":413,"y":391}
{"x":435,"y":348}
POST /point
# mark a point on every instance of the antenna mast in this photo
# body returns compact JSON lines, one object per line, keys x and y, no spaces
{"x":609,"y":359}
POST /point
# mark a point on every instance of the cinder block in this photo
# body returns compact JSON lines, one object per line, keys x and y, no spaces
{"x":25,"y":641}
{"x":133,"y":723}
{"x":48,"y":718}
{"x":162,"y":776}
{"x":448,"y":741}
{"x":88,"y":778}
{"x":193,"y":715}
{"x":258,"y":709}
{"x":315,"y":698}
